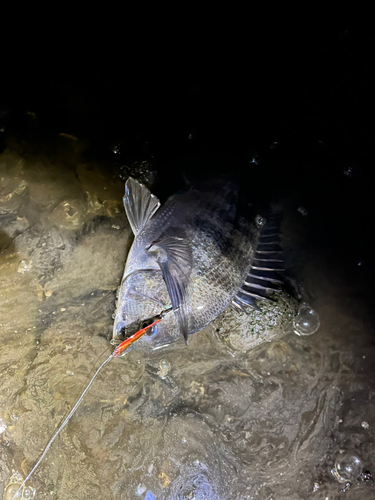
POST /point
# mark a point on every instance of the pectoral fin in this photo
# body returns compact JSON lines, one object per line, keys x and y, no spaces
{"x":140,"y":205}
{"x":174,"y":256}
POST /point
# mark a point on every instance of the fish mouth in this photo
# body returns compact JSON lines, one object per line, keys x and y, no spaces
{"x":122,"y":331}
{"x":118,"y":340}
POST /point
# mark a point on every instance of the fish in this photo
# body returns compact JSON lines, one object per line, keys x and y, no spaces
{"x":204,"y":250}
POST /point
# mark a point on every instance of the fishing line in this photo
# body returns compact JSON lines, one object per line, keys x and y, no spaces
{"x":73,"y":410}
{"x":116,"y":353}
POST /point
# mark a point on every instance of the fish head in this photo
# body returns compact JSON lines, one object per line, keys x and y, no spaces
{"x":144,"y":296}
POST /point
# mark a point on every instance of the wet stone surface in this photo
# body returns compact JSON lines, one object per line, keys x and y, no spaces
{"x":249,"y":410}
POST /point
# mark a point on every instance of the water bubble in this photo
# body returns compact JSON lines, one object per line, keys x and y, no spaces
{"x":347,"y":467}
{"x":16,"y":478}
{"x":3,"y":426}
{"x":306,"y":322}
{"x":365,"y":425}
{"x":345,"y":488}
{"x":28,"y":493}
{"x":260,"y":221}
{"x":11,"y":490}
{"x":24,"y":266}
{"x":365,"y":476}
{"x":302,"y":211}
{"x":351,"y":171}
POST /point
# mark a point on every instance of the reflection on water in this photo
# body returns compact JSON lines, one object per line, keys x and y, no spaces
{"x":229,"y":417}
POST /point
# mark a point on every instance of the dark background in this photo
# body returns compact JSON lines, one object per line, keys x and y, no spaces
{"x":286,"y":100}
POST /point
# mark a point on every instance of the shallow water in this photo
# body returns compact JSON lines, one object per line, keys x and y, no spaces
{"x":225,"y":418}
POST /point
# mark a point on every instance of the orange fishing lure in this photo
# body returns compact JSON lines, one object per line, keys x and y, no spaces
{"x":127,"y":342}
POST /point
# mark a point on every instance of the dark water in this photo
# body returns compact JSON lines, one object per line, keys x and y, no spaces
{"x":231,"y":416}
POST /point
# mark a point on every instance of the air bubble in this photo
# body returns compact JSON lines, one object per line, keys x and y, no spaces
{"x":306,"y":322}
{"x":260,"y":221}
{"x":24,"y":266}
{"x":16,"y":478}
{"x":28,"y":493}
{"x":302,"y":211}
{"x":10,"y":492}
{"x":347,"y":467}
{"x":351,"y":171}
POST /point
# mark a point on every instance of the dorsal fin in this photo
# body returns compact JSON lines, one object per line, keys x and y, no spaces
{"x":174,"y":256}
{"x":140,"y":205}
{"x":263,"y":275}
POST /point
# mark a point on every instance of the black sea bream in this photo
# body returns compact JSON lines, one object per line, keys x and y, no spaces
{"x":205,"y":249}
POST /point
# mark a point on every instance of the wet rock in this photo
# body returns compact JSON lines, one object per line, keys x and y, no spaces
{"x":242,"y":332}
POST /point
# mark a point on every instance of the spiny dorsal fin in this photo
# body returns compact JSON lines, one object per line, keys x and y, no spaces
{"x":174,"y":256}
{"x":140,"y":205}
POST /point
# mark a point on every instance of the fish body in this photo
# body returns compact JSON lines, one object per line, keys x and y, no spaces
{"x":192,"y":257}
